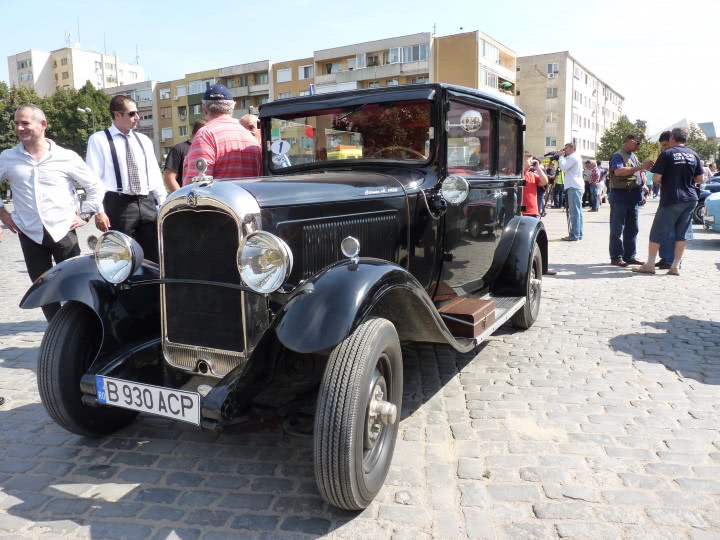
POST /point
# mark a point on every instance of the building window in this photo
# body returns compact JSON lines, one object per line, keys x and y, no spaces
{"x":165,"y":113}
{"x":373,"y":84}
{"x":264,"y":100}
{"x":167,"y":133}
{"x":133,"y":75}
{"x":261,"y":78}
{"x":183,"y":131}
{"x":415,"y":53}
{"x":552,"y":70}
{"x":22,"y":64}
{"x":284,"y":95}
{"x":551,"y":117}
{"x":244,"y":103}
{"x":242,"y":80}
{"x":361,"y":61}
{"x":182,"y":112}
{"x":284,"y":75}
{"x":351,"y":62}
{"x":98,"y":66}
{"x":333,"y":67}
{"x":552,"y":92}
{"x":550,"y":141}
{"x":63,"y":61}
{"x":373,"y":60}
{"x":305,"y":72}
{"x":231,"y":83}
{"x":181,"y":91}
{"x":392,"y":56}
{"x":304,"y":92}
{"x":488,"y":79}
{"x":196,"y":109}
{"x":199,"y":86}
{"x":109,"y":66}
{"x":65,"y":75}
{"x":392,"y":82}
{"x":577,"y":72}
{"x":421,"y":80}
{"x":491,"y":52}
{"x":164,"y":93}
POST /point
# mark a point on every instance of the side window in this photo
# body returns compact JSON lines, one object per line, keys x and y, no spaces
{"x":509,"y":145}
{"x":470,"y":140}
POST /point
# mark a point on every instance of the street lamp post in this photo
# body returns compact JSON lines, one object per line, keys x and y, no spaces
{"x":89,"y":111}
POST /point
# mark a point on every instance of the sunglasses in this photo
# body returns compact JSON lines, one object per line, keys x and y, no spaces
{"x":131,"y":113}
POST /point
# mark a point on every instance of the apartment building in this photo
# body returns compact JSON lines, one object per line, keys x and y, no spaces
{"x":179,"y":102}
{"x":470,"y":59}
{"x":564,"y":101}
{"x":144,"y":95}
{"x":70,"y":68}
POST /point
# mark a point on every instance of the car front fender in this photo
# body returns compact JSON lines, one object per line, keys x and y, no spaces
{"x":328,"y":307}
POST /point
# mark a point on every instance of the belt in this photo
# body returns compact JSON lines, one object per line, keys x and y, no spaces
{"x":129,"y":196}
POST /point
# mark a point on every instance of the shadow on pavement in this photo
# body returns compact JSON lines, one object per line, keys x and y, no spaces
{"x":704,"y":240}
{"x":679,"y":348}
{"x":12,"y":328}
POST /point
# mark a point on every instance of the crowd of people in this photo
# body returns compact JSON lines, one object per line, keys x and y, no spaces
{"x":677,"y":173}
{"x":120,"y":175}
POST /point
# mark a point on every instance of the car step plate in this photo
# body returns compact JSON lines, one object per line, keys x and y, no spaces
{"x":168,"y":402}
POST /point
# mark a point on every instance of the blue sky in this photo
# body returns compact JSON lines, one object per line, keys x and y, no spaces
{"x":661,"y":56}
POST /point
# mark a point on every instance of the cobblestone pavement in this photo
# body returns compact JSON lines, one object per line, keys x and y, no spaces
{"x":601,"y":421}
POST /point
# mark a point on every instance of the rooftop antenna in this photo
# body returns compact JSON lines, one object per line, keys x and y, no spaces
{"x":68,"y":38}
{"x":78,"y":32}
{"x":434,"y":29}
{"x":137,"y":54}
{"x":104,"y":44}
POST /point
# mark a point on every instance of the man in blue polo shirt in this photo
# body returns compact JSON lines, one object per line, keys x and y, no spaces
{"x":678,"y":170}
{"x":626,"y":196}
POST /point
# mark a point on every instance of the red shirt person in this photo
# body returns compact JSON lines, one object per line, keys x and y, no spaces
{"x":534,"y":176}
{"x":230,"y":150}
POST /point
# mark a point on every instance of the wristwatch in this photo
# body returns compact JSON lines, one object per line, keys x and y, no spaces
{"x":86,"y":216}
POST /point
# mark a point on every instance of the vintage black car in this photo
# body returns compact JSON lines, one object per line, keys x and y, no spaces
{"x":300,"y":287}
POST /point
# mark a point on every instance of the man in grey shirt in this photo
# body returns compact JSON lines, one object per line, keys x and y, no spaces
{"x":42,"y":176}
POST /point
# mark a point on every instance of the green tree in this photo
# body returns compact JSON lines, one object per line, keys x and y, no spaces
{"x":10,"y":99}
{"x":706,"y":148}
{"x":613,"y":139}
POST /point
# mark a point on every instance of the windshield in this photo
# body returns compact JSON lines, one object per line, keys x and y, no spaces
{"x":398,"y":131}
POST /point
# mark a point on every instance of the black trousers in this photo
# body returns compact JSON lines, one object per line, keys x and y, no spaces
{"x":38,"y":258}
{"x":136,"y":216}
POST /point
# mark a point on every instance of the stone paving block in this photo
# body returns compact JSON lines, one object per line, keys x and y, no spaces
{"x":479,"y":524}
{"x":588,"y":530}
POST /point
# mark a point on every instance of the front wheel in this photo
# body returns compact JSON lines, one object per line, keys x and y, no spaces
{"x":526,"y":316}
{"x":68,"y":347}
{"x":697,"y":216}
{"x":357,"y":416}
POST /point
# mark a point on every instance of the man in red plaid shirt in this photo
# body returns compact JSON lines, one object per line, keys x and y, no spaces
{"x":230,"y":150}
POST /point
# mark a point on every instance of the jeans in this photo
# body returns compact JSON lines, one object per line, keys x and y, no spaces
{"x":594,"y":196}
{"x":541,"y":198}
{"x":558,"y":196}
{"x":574,"y":198}
{"x":623,"y":230}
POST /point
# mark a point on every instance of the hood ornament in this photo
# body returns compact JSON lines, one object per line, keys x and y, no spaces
{"x":202,"y":179}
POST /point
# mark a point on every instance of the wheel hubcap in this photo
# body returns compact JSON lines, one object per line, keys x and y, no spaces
{"x":380,"y":413}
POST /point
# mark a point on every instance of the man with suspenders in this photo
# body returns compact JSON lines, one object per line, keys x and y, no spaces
{"x":125,"y":161}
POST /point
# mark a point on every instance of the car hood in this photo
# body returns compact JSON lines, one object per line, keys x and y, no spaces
{"x":330,"y":186}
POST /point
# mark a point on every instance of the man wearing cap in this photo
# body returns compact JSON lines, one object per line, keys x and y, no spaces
{"x":626,"y":195}
{"x":125,"y":161}
{"x":229,"y":149}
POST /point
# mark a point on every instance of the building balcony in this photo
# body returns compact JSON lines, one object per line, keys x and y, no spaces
{"x":239,"y":91}
{"x":501,"y":71}
{"x":258,"y":89}
{"x":374,"y":72}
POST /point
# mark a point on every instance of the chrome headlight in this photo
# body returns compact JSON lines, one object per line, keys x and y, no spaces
{"x":117,"y":256}
{"x":454,"y":189}
{"x":265,"y":262}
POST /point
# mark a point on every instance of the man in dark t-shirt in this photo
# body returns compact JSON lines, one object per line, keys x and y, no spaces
{"x":677,"y":170}
{"x":173,"y":171}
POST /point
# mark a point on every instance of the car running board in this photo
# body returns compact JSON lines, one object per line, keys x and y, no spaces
{"x":470,"y":316}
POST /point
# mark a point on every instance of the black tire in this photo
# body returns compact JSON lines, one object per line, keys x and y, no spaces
{"x":349,"y":468}
{"x":70,"y":344}
{"x":698,"y":213}
{"x":525,"y":317}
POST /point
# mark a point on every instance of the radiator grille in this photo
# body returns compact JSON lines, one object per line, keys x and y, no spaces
{"x":202,"y":245}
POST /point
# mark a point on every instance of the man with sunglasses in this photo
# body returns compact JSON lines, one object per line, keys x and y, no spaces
{"x":125,"y":161}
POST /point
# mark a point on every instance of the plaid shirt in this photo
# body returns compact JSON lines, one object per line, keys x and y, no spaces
{"x":230,"y":150}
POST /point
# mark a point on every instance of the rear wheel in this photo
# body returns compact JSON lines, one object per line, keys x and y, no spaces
{"x":69,"y":346}
{"x":526,"y":316}
{"x":357,"y":417}
{"x":697,"y":216}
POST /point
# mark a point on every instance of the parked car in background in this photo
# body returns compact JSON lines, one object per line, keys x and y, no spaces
{"x":295,"y":291}
{"x":711,"y":217}
{"x":699,"y":211}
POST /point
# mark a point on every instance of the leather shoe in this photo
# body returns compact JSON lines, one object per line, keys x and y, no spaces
{"x":635,"y":261}
{"x":662,"y":265}
{"x":618,"y":262}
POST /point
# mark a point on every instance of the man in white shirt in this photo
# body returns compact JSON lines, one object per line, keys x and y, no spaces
{"x":42,"y":176}
{"x":125,"y":161}
{"x":571,"y":164}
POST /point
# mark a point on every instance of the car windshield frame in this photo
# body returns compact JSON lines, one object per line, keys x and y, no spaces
{"x":349,"y":132}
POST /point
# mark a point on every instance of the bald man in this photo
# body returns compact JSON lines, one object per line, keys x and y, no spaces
{"x":252,"y":124}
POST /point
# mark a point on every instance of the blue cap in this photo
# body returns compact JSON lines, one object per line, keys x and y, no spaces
{"x":217,"y":92}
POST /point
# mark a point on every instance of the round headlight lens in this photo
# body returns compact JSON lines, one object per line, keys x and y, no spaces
{"x":454,"y":189}
{"x":116,"y":256}
{"x":265,"y":262}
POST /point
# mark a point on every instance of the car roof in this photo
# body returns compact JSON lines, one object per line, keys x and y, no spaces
{"x":351,"y":98}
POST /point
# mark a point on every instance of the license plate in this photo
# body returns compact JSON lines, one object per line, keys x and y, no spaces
{"x":175,"y":404}
{"x":710,"y":219}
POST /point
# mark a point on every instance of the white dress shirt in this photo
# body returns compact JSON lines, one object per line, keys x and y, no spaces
{"x":44,"y":190}
{"x":572,"y":167}
{"x":100,"y":160}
